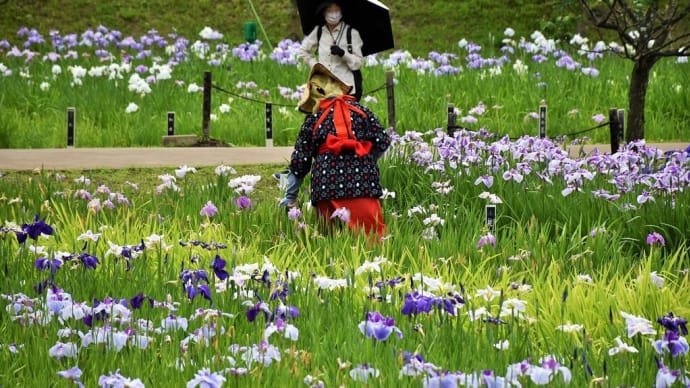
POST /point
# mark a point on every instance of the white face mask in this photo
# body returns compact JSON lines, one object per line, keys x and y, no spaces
{"x":333,"y":17}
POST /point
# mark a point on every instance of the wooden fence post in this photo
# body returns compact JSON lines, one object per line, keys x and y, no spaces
{"x":171,"y":123}
{"x":70,"y":127}
{"x":206,"y":120}
{"x":613,"y":130}
{"x":451,"y":120}
{"x":269,"y":124}
{"x":391,"y":100}
{"x":621,"y":126}
{"x":542,"y":119}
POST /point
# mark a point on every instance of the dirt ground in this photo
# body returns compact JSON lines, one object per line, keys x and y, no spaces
{"x":116,"y":158}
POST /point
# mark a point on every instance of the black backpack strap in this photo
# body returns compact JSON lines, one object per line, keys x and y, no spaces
{"x":349,"y":39}
{"x":318,"y":36}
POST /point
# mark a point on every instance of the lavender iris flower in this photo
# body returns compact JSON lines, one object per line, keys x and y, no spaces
{"x":243,"y":202}
{"x":209,"y":210}
{"x":378,"y":326}
{"x":205,"y":379}
{"x":654,"y":238}
{"x":673,"y":343}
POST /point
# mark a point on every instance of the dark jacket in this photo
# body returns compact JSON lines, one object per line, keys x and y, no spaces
{"x":345,"y":175}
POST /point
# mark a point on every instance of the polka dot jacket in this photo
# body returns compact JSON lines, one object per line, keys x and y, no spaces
{"x":346,"y":175}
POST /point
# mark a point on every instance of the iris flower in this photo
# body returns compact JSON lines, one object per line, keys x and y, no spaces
{"x":487,"y":239}
{"x":117,"y":380}
{"x":202,"y":289}
{"x":218,"y":266}
{"x":243,"y":202}
{"x":379,"y":327}
{"x":34,"y":230}
{"x":341,"y":213}
{"x":673,"y":323}
{"x":44,"y":263}
{"x":72,"y":374}
{"x":673,"y":343}
{"x":89,"y":261}
{"x":363,"y":372}
{"x":209,"y":210}
{"x":205,"y":379}
{"x":654,"y":238}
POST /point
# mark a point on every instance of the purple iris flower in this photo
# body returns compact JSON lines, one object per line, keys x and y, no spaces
{"x":378,"y":326}
{"x":89,"y":318}
{"x":408,"y":357}
{"x":206,"y":379}
{"x":674,"y":343}
{"x":280,"y":291}
{"x":284,"y":312}
{"x":89,"y":261}
{"x":36,"y":228}
{"x":243,"y":202}
{"x":416,"y":303}
{"x":137,"y":301}
{"x":188,"y":276}
{"x":673,"y":323}
{"x":218,"y":266}
{"x":654,"y":238}
{"x":390,"y":282}
{"x":72,"y":374}
{"x":209,"y":210}
{"x":44,"y":263}
{"x":202,"y":289}
{"x":254,"y":311}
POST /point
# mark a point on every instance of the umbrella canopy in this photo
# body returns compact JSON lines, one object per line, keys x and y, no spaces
{"x":370,"y":17}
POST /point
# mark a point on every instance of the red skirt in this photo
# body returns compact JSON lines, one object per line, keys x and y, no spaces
{"x":365,"y":214}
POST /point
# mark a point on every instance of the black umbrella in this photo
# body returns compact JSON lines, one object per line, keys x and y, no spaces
{"x":370,"y":17}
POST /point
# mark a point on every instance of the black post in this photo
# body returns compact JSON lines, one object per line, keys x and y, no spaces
{"x":613,"y":130}
{"x":391,"y":100}
{"x":491,"y":217}
{"x":621,"y":126}
{"x":542,"y":119}
{"x":206,"y":121}
{"x":451,"y":120}
{"x":269,"y":124}
{"x":70,"y":127}
{"x":171,"y":123}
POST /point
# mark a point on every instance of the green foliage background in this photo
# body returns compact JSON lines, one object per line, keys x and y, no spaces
{"x":418,"y":25}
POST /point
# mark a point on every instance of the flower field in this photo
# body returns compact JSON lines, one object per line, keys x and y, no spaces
{"x":195,"y":277}
{"x":201,"y":279}
{"x":122,"y":88}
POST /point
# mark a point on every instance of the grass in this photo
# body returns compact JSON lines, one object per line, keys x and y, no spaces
{"x":562,"y":277}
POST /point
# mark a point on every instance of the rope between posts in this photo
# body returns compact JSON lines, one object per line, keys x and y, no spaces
{"x":586,"y":130}
{"x":566,"y":135}
{"x":220,"y":89}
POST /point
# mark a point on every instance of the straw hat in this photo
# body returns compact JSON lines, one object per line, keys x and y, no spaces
{"x":322,"y":83}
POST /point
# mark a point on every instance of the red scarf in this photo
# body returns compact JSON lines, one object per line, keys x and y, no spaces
{"x":345,"y":139}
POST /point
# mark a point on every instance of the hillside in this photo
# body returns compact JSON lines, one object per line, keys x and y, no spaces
{"x":419,"y":26}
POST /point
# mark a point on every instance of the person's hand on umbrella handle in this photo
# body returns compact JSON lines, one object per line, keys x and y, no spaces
{"x":336,"y":50}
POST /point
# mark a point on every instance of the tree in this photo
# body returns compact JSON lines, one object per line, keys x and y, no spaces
{"x":649,"y":30}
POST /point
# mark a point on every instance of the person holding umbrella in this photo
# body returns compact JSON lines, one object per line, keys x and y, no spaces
{"x":340,"y":143}
{"x":338,"y":46}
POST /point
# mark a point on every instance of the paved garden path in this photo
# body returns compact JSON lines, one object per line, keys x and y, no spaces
{"x":116,"y":158}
